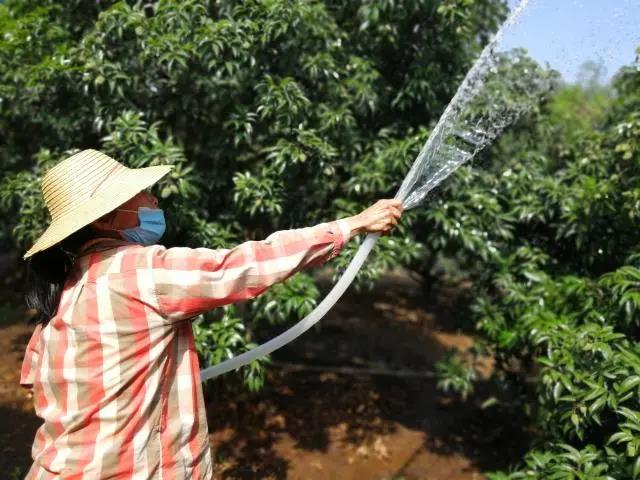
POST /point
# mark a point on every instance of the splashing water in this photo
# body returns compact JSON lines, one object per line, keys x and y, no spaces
{"x":504,"y":84}
{"x":486,"y":102}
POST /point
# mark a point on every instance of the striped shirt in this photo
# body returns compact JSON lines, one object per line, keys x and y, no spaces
{"x":115,"y":373}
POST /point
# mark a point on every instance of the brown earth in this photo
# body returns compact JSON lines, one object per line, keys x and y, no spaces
{"x":355,"y":398}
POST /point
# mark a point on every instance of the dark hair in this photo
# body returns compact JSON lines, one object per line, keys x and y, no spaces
{"x":47,"y":271}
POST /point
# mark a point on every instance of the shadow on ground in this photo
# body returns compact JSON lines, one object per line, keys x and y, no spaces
{"x":314,"y":421}
{"x":18,"y":423}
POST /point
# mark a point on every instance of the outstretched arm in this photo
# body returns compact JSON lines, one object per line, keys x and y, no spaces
{"x":190,"y":281}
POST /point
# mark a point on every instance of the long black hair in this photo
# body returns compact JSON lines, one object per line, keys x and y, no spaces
{"x":48,"y":270}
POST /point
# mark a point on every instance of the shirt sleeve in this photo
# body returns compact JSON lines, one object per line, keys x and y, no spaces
{"x":190,"y":281}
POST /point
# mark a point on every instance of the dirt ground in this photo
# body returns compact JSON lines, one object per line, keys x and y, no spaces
{"x":353,"y":399}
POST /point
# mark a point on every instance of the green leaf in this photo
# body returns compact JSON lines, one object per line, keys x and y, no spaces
{"x":628,"y":384}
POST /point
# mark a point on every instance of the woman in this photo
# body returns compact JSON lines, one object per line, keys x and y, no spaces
{"x":112,"y":364}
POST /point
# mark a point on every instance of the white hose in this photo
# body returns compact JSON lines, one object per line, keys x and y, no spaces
{"x":303,"y":325}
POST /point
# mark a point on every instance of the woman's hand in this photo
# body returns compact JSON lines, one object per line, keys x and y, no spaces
{"x":380,"y":217}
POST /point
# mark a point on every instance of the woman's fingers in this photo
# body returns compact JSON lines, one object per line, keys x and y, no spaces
{"x":382,"y":216}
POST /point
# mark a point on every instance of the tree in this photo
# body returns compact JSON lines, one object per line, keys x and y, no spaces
{"x":552,"y":245}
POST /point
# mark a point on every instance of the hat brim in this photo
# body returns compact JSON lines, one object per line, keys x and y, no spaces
{"x":122,"y":187}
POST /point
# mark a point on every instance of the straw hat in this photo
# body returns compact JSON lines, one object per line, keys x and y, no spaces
{"x":84,"y":187}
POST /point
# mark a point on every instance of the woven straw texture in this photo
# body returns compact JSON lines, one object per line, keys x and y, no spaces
{"x":84,"y":187}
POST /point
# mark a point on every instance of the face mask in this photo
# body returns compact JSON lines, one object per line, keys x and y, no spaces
{"x":151,"y":228}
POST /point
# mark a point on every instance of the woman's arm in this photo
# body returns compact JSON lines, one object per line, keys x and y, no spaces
{"x":190,"y":281}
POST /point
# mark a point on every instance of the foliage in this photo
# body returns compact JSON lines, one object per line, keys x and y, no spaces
{"x":275,"y":114}
{"x":219,"y":335}
{"x":455,"y":375}
{"x":549,"y":233}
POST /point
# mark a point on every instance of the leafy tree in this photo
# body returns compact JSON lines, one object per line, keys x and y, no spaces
{"x":551,"y":240}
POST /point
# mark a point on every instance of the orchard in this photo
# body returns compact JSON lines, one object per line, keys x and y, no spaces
{"x":282,"y":114}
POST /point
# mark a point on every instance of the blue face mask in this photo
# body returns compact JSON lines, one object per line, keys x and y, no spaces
{"x":151,"y":228}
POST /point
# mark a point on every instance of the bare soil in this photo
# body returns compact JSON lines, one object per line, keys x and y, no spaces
{"x":355,"y":398}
